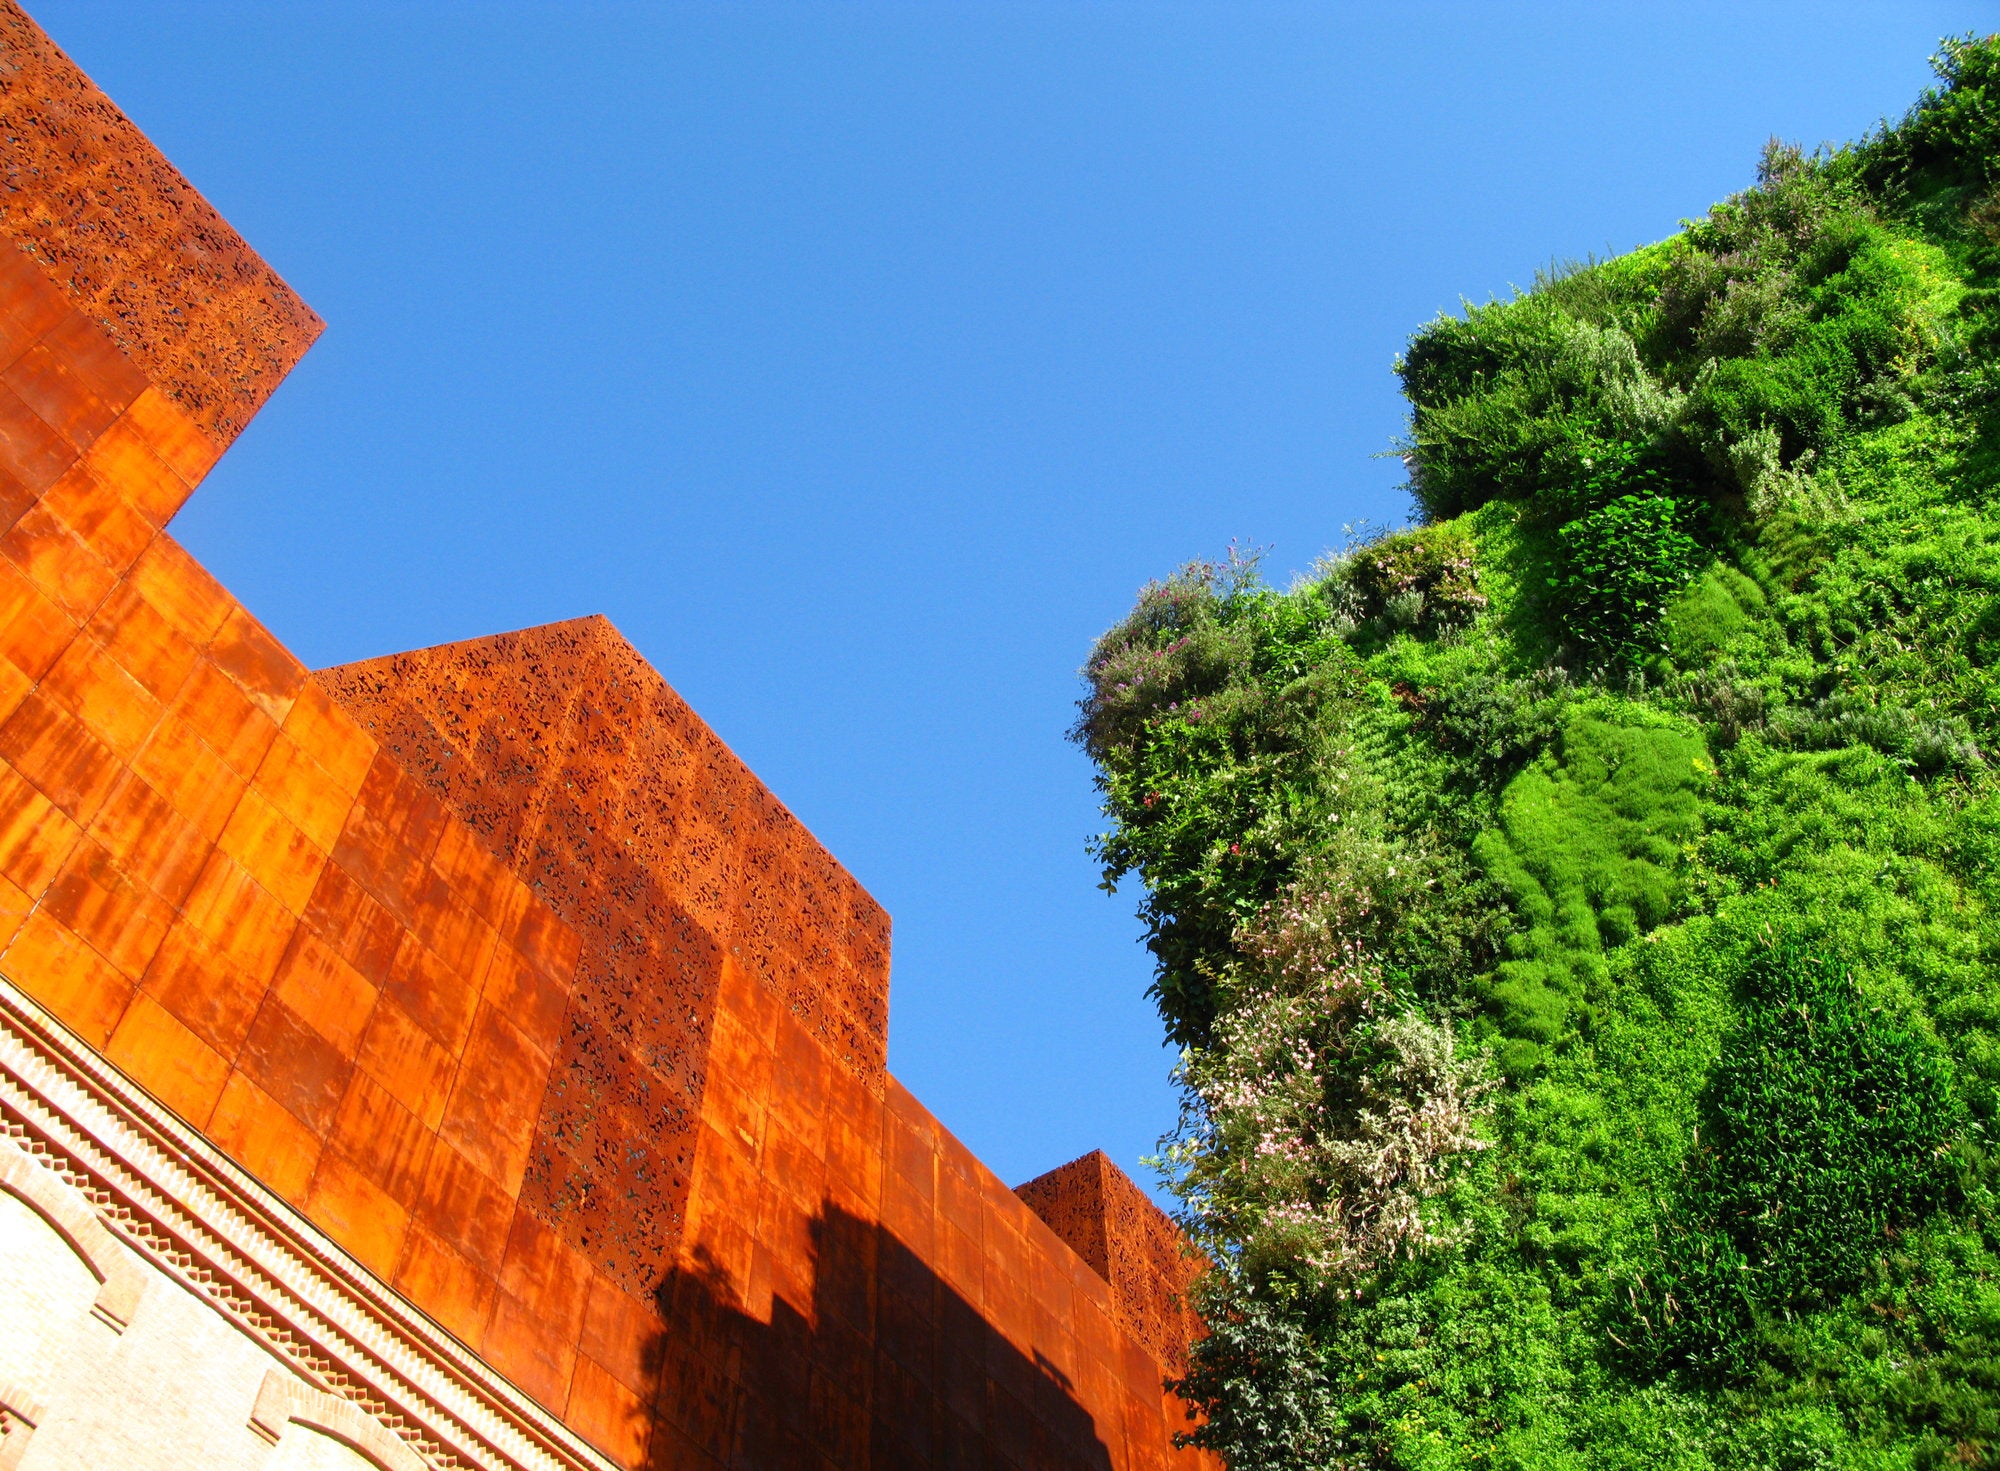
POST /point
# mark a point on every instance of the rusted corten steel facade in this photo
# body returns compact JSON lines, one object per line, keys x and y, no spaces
{"x":1108,"y":1221}
{"x":492,"y":960}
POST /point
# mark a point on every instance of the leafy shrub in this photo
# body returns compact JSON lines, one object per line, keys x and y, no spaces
{"x":1830,"y":1121}
{"x":1864,"y":322}
{"x":1425,"y":579}
{"x":1179,"y":644}
{"x":1315,"y":1128}
{"x":1929,"y":747}
{"x":1596,"y":472}
{"x":1796,"y":1440}
{"x":1953,"y":1398}
{"x":1728,"y":704}
{"x":1732,"y":288}
{"x":1206,"y":711}
{"x":1827,"y":1125}
{"x":1508,"y":401}
{"x":1491,"y":725}
{"x":1951,"y":137}
{"x":1261,"y":1379}
{"x":1615,"y":570}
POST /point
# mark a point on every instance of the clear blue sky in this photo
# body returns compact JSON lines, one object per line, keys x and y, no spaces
{"x":861,"y":360}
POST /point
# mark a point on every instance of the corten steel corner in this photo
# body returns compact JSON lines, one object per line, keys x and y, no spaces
{"x":478,"y":989}
{"x":1141,"y":1255}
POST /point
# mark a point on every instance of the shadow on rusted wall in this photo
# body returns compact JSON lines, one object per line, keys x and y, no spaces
{"x":890,"y":1368}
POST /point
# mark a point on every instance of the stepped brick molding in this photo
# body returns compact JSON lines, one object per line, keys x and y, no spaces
{"x":224,"y":1289}
{"x":459,"y":1058}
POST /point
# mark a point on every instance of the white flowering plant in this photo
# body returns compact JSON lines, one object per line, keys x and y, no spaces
{"x":1324,"y":1110}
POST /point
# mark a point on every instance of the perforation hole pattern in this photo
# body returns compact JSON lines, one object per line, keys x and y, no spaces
{"x":132,"y":244}
{"x":574,"y":761}
{"x":1130,"y":1242}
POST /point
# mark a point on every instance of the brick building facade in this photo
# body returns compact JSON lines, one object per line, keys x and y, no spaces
{"x":458,"y":1058}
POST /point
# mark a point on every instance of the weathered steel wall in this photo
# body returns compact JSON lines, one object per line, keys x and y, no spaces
{"x":492,"y":960}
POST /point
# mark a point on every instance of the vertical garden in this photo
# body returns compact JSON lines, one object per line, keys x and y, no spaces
{"x":1580,"y":912}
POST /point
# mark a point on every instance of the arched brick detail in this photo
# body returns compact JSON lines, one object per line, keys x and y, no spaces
{"x":120,"y":1280}
{"x":20,"y":1413}
{"x":283,"y":1400}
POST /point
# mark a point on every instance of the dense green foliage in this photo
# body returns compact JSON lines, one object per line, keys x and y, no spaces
{"x":1585,"y":845}
{"x":1580,"y":912}
{"x":1827,"y":1124}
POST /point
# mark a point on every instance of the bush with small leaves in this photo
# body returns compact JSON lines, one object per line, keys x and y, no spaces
{"x":1827,"y":1129}
{"x":1423,"y":580}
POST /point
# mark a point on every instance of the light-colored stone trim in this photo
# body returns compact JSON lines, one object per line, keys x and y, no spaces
{"x":168,"y":1194}
{"x":58,"y":1202}
{"x":283,"y":1400}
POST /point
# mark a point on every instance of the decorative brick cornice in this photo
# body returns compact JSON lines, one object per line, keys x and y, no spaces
{"x":157,"y":1185}
{"x":120,"y":1282}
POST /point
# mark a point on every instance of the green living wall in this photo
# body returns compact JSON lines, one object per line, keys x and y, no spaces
{"x":1580,"y":912}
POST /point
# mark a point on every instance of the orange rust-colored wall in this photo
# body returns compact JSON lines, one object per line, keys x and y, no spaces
{"x":572,"y":759}
{"x":494,"y":962}
{"x":210,"y":872}
{"x":134,"y":248}
{"x":901,"y":1306}
{"x":1108,"y":1221}
{"x":899,"y":1302}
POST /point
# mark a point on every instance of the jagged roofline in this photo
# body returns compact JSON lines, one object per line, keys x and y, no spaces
{"x":134,"y":248}
{"x":507,"y":728}
{"x":600,"y":1094}
{"x":385,"y":674}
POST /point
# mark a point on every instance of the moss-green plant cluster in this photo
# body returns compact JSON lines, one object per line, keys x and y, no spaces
{"x":1655,"y":763}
